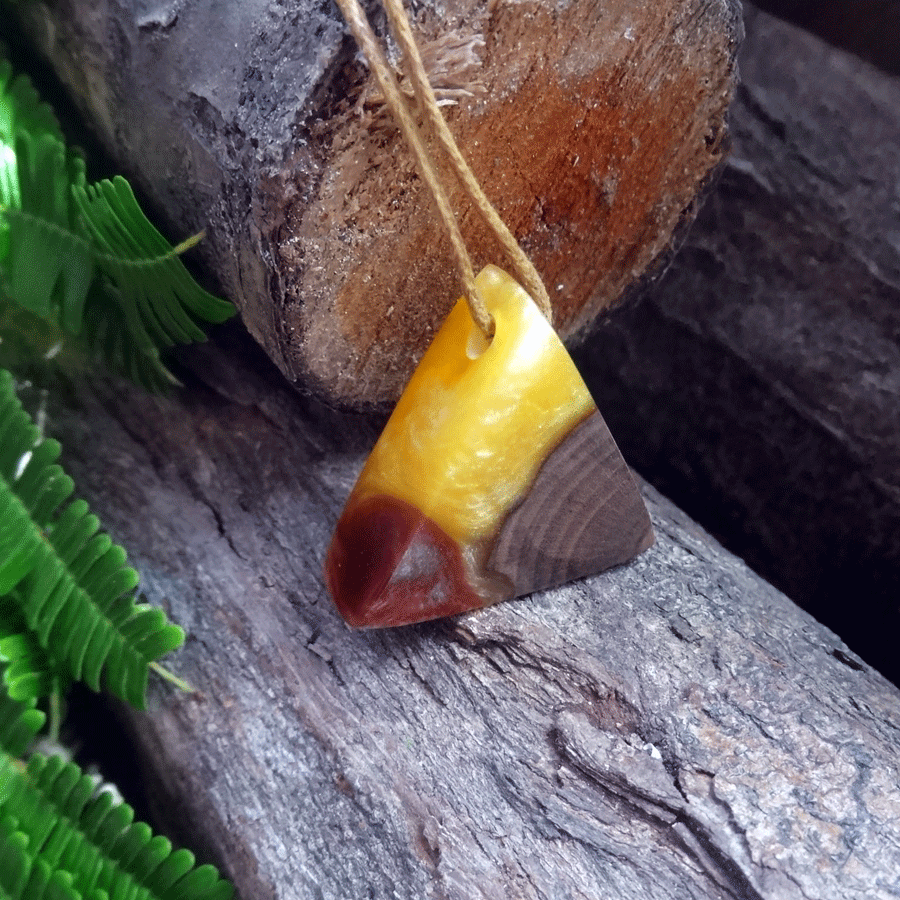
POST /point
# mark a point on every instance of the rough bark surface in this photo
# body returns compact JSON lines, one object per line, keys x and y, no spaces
{"x":592,"y":126}
{"x":867,"y":27}
{"x":758,"y":384}
{"x":675,"y":728}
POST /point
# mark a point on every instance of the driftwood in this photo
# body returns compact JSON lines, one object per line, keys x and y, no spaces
{"x":757,"y":384}
{"x":673,"y":728}
{"x":869,"y":28}
{"x":592,"y":126}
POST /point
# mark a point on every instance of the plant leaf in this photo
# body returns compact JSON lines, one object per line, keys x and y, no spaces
{"x":47,"y":265}
{"x":154,"y":295}
{"x":19,"y":723}
{"x":29,"y":671}
{"x":21,"y":112}
{"x":85,"y":259}
{"x":69,"y":581}
{"x":58,"y":822}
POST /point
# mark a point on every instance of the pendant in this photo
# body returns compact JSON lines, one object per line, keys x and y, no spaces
{"x":494,"y":477}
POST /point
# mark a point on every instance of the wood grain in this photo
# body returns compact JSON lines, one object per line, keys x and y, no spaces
{"x":582,"y":515}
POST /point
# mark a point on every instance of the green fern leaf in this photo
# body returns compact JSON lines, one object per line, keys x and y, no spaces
{"x":70,"y":582}
{"x":15,"y":866}
{"x":49,"y":266}
{"x":46,"y":264}
{"x":159,"y":299}
{"x":116,"y":346}
{"x":56,"y":822}
{"x":21,"y":112}
{"x":84,"y":259}
{"x":19,"y":723}
{"x":18,"y":437}
{"x":21,"y":108}
{"x":29,"y":671}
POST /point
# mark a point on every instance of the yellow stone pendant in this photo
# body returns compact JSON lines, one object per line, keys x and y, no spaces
{"x":494,"y":477}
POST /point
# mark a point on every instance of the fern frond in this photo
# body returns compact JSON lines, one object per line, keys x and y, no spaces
{"x":56,"y":822}
{"x":21,"y":112}
{"x":85,"y":259}
{"x":74,"y":588}
{"x":49,"y":266}
{"x":29,"y":671}
{"x":22,"y":108}
{"x":19,"y":724}
{"x":160,"y":298}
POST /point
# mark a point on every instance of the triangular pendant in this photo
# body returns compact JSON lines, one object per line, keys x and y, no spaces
{"x":494,"y":477}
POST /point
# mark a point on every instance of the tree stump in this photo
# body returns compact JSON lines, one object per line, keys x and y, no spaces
{"x":757,"y":383}
{"x":592,"y":127}
{"x":673,"y":728}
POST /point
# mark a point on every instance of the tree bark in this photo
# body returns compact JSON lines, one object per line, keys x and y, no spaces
{"x":592,"y":127}
{"x":868,"y":28}
{"x":757,"y":383}
{"x":673,"y":728}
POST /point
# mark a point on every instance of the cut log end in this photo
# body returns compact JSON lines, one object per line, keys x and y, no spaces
{"x":592,"y":127}
{"x":592,"y":130}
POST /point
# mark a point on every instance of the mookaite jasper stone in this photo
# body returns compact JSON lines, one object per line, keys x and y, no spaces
{"x":494,"y":477}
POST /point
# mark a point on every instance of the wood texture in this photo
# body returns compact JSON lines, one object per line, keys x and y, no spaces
{"x":674,"y":728}
{"x":868,"y":28}
{"x":758,"y":383}
{"x":592,"y":126}
{"x":582,"y":515}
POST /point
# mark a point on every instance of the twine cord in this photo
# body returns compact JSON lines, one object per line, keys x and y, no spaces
{"x":522,"y":265}
{"x":365,"y":38}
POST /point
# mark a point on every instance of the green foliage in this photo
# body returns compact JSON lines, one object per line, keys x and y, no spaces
{"x":19,"y":723}
{"x":65,"y":586}
{"x":78,"y":263}
{"x":83,"y":259}
{"x":61,"y":837}
{"x":28,"y":670}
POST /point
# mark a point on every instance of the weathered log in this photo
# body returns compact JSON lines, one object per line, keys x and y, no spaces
{"x":673,"y":728}
{"x":592,"y":126}
{"x":758,"y":384}
{"x":868,"y":28}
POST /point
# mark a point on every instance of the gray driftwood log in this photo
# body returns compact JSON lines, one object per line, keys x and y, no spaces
{"x":758,"y":383}
{"x":592,"y":126}
{"x":675,"y":728}
{"x":867,"y":27}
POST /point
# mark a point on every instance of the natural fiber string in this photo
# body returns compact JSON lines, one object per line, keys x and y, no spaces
{"x":365,"y":38}
{"x":523,"y":266}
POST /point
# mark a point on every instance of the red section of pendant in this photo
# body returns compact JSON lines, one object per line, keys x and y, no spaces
{"x":389,"y":564}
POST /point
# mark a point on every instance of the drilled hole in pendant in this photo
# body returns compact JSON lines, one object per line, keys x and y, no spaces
{"x":477,"y":343}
